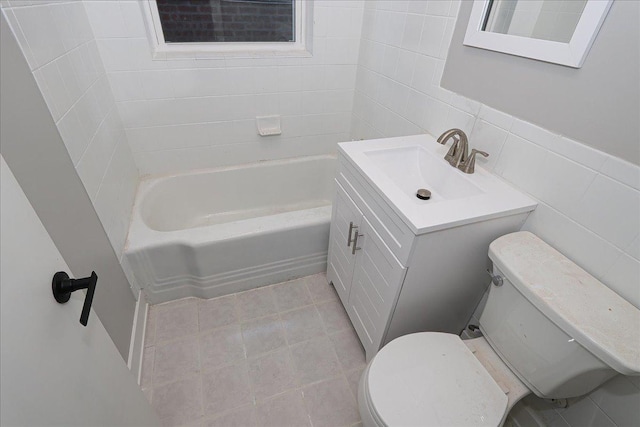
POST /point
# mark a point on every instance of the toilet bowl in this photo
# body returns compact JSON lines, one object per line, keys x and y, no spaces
{"x":437,"y":379}
{"x":548,"y":328}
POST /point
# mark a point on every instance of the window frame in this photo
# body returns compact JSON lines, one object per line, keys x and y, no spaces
{"x":302,"y":46}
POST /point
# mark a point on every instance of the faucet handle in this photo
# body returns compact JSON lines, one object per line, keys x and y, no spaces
{"x":468,"y":165}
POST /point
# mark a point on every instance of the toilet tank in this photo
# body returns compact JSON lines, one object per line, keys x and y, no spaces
{"x":560,"y":330}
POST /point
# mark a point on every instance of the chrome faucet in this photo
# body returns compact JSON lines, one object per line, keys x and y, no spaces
{"x":458,"y":152}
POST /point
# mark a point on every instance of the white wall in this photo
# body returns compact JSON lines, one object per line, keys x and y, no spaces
{"x":58,"y":43}
{"x":589,"y":201}
{"x":189,"y":114}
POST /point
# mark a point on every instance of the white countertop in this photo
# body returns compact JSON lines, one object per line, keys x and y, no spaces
{"x":495,"y":197}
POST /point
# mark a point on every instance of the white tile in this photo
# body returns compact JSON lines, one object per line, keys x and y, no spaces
{"x":534,"y":133}
{"x":495,"y":117}
{"x":313,"y":77}
{"x":459,"y":119}
{"x":418,"y":6}
{"x":406,"y":65}
{"x":64,"y":27}
{"x":412,"y":32}
{"x":432,"y":35}
{"x":438,"y":7}
{"x":520,"y":162}
{"x":561,"y":183}
{"x":611,"y":210}
{"x":634,"y":248}
{"x":116,"y":195}
{"x":70,"y":73}
{"x":579,"y":153}
{"x":577,"y":243}
{"x":446,"y":38}
{"x":56,"y":90}
{"x":106,"y":19}
{"x":586,"y":413}
{"x":622,"y":277}
{"x":289,"y":79}
{"x":390,"y":61}
{"x":423,"y":74}
{"x":465,"y":104}
{"x":78,"y":22}
{"x":93,"y":164}
{"x":340,"y":76}
{"x":623,"y":171}
{"x":126,"y":85}
{"x":39,"y":29}
{"x":132,"y":15}
{"x":618,"y":399}
{"x":73,"y":134}
{"x":118,"y":55}
{"x":489,"y":138}
{"x":200,"y":82}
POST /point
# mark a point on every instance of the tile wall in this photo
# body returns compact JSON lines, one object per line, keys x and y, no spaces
{"x":189,"y":114}
{"x":58,"y":43}
{"x":589,"y":201}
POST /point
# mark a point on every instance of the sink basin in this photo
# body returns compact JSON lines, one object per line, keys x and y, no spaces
{"x":397,"y":167}
{"x":413,"y":167}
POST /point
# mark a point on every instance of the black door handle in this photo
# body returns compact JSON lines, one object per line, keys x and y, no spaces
{"x":62,"y":287}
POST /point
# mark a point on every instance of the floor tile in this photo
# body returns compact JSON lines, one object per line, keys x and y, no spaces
{"x":176,"y":321}
{"x":330,"y":403}
{"x":217,"y":312}
{"x":226,"y":388}
{"x":256,"y":303}
{"x":175,"y":360}
{"x":353,"y":378}
{"x":221,"y":346}
{"x":178,"y":403}
{"x":320,"y":289}
{"x":348,"y":349}
{"x":314,"y":360}
{"x":291,"y":295}
{"x":334,"y":316}
{"x":263,"y":335}
{"x":244,"y":416}
{"x":271,"y":374}
{"x":302,"y":324}
{"x":284,"y":410}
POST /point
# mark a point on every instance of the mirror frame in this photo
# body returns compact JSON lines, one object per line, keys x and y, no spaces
{"x":571,"y":54}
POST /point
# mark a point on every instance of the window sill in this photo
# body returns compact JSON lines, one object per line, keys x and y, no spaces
{"x":170,"y":53}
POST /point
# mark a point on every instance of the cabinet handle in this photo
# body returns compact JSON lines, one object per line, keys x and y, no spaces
{"x":355,"y":244}
{"x":351,"y":228}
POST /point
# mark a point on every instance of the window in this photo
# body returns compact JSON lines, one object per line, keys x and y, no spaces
{"x":228,"y":26}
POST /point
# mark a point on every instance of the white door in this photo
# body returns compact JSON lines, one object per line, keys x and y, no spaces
{"x":53,"y":371}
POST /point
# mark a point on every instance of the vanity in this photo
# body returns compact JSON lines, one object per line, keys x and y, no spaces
{"x":401,"y":264}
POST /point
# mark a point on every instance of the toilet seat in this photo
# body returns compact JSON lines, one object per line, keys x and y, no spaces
{"x":431,"y":379}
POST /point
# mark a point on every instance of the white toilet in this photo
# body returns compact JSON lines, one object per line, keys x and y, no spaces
{"x":550,"y":328}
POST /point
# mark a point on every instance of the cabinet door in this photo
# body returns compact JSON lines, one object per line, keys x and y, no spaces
{"x":377,"y":280}
{"x":341,"y":259}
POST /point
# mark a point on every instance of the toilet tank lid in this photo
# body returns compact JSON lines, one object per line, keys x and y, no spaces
{"x":583,"y":307}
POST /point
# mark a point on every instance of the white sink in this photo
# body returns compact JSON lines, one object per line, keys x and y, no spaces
{"x":398,"y":167}
{"x":413,"y":167}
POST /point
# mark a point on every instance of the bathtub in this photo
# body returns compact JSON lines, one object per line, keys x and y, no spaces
{"x":214,"y":232}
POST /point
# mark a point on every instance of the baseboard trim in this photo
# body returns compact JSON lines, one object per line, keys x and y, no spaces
{"x":136,"y":346}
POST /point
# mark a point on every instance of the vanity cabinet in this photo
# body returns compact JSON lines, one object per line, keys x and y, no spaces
{"x":364,"y":271}
{"x":393,"y":281}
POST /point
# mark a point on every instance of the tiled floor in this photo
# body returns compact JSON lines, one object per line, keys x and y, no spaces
{"x":282,"y":355}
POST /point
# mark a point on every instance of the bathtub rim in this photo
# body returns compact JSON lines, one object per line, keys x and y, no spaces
{"x":140,"y":235}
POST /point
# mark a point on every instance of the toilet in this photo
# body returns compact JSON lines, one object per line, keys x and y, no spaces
{"x":549,"y":328}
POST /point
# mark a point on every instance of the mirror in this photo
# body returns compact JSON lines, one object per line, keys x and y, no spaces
{"x":558,"y":31}
{"x":554,"y":20}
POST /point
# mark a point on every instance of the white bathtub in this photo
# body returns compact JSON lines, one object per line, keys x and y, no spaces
{"x":210,"y":233}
